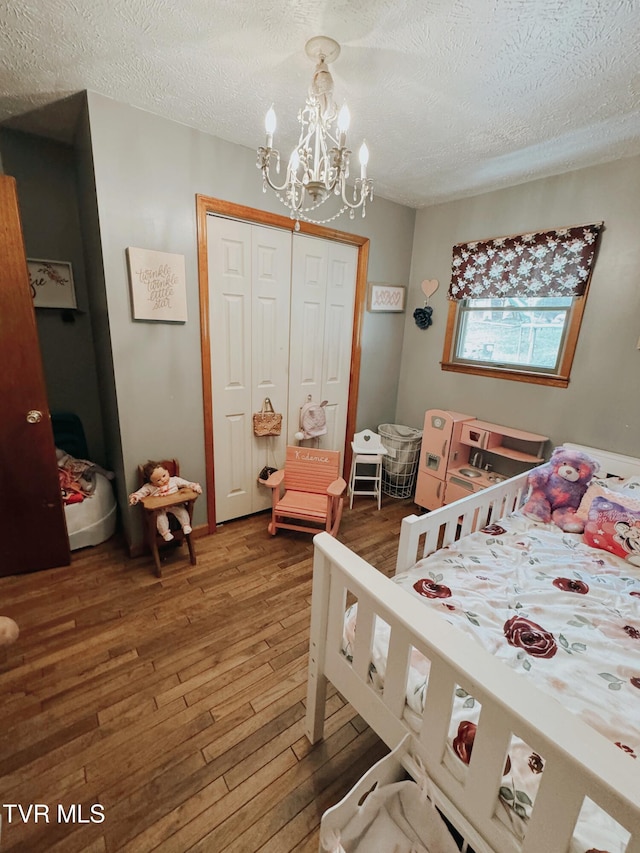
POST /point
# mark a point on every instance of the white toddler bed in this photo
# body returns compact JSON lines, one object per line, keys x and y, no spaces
{"x":586,"y":796}
{"x":92,"y":520}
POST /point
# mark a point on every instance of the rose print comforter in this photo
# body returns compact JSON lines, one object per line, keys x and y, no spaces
{"x":553,"y":609}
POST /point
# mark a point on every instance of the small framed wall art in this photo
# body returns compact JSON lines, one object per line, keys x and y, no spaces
{"x":158,"y":285}
{"x":386,"y":298}
{"x":51,"y":284}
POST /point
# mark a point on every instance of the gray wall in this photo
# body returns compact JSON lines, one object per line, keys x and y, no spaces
{"x":601,"y":406}
{"x":47,"y":192}
{"x":96,"y":292}
{"x":147,"y":173}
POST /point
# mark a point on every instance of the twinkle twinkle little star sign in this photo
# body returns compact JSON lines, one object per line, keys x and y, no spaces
{"x":158,"y":285}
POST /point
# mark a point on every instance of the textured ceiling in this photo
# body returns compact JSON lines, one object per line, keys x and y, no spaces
{"x":454,"y":97}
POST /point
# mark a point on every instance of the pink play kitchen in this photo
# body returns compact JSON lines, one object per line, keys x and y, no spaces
{"x":461,"y":455}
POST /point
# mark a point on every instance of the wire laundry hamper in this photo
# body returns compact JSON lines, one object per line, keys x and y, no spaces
{"x":400,"y":465}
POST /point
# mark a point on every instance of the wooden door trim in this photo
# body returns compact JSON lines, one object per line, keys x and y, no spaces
{"x":218,"y":207}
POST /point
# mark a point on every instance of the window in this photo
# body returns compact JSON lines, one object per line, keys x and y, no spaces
{"x":517,"y":303}
{"x":526,"y":333}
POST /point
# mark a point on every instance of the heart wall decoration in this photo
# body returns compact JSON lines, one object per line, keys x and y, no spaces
{"x":429,"y":286}
{"x":423,"y":316}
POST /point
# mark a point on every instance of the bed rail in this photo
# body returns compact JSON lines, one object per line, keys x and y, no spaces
{"x":421,"y":535}
{"x":579,"y":762}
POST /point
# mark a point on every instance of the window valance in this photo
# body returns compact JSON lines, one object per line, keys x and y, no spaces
{"x":544,"y":263}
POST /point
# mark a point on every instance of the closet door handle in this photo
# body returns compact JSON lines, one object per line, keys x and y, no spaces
{"x":34,"y":416}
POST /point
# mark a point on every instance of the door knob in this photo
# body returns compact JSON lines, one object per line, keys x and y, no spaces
{"x":34,"y":416}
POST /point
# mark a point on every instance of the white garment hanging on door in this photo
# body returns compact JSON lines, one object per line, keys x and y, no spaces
{"x":313,"y":419}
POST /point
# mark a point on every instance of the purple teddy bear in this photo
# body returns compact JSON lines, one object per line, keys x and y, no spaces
{"x":556,"y":488}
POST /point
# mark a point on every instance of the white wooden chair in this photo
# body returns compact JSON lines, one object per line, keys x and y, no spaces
{"x":368,"y":451}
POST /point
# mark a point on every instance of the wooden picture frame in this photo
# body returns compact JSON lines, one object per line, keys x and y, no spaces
{"x":386,"y":298}
{"x":51,"y":283}
{"x":158,"y":285}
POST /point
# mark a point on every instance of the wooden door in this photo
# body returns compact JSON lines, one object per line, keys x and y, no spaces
{"x":35,"y":532}
{"x":270,"y":307}
{"x":250,"y":277}
{"x":322,"y":314}
{"x":338,"y":335}
{"x":308,"y":300}
{"x":206,"y":208}
{"x":230,"y":321}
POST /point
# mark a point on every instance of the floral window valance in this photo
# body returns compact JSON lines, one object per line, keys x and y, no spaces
{"x":544,"y":263}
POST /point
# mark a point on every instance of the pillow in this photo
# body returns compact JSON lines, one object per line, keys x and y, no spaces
{"x":614,"y":526}
{"x":607,"y":488}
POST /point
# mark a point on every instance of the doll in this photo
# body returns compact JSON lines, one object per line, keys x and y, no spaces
{"x":158,"y":483}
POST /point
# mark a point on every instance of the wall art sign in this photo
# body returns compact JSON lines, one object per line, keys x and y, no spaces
{"x":51,"y":284}
{"x":386,"y":297}
{"x":158,"y":285}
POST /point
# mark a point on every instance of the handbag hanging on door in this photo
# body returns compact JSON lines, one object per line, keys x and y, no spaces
{"x":267,"y":422}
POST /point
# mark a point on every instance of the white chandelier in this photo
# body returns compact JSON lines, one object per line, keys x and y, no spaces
{"x":319,"y":164}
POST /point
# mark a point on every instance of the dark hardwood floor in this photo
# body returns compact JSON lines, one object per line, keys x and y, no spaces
{"x":174,"y":707}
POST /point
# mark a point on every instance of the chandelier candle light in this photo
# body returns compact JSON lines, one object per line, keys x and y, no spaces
{"x":319,"y":165}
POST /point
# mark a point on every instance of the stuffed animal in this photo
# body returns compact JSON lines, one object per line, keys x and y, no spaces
{"x":556,"y":488}
{"x":8,"y":631}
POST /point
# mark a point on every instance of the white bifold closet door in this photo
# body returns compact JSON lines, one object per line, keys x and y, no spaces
{"x":281,"y":324}
{"x":250,"y":285}
{"x":322,"y":306}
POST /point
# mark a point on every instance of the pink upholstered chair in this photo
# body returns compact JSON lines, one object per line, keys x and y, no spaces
{"x":308,"y":493}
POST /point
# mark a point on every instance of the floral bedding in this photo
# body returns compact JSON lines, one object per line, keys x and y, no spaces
{"x":552,"y":608}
